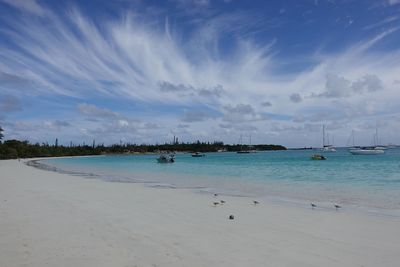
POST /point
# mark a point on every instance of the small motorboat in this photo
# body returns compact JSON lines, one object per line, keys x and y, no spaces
{"x":166,"y":158}
{"x":318,"y":157}
{"x":328,"y":148}
{"x":198,"y":155}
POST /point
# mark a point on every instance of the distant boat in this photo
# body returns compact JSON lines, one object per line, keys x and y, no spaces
{"x":198,"y":155}
{"x":366,"y":151}
{"x":370,"y":150}
{"x":377,"y":141}
{"x":351,"y":138}
{"x":245,"y":151}
{"x":325,"y":146}
{"x":166,"y":158}
{"x":328,"y":148}
{"x":318,"y":157}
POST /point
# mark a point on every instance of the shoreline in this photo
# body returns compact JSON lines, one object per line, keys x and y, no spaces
{"x":323,"y":205}
{"x":63,"y":220}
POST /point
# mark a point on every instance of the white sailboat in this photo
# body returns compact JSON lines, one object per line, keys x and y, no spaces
{"x":376,"y":141}
{"x":366,"y":151}
{"x":326,"y":147}
{"x":248,"y":148}
{"x":372,"y":150}
{"x":242,"y":151}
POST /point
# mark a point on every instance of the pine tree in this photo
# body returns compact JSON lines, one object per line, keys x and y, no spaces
{"x":1,"y":133}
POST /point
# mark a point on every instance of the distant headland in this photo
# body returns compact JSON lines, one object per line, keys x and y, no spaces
{"x":12,"y":149}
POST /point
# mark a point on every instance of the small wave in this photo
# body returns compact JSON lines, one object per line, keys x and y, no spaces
{"x":166,"y":186}
{"x":42,"y":166}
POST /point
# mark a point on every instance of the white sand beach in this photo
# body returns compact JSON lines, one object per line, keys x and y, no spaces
{"x":52,"y":219}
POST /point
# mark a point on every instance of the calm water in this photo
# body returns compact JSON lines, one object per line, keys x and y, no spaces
{"x":371,"y":182}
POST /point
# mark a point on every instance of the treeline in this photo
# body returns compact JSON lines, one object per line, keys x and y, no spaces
{"x":12,"y":149}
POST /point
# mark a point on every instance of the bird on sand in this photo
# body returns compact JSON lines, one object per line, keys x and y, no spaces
{"x":215,"y":195}
{"x":256,"y":202}
{"x":313,"y":205}
{"x":222,"y":201}
{"x":337,"y":206}
{"x":215,"y":203}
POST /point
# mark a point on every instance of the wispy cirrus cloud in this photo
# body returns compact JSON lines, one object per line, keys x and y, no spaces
{"x":9,"y":103}
{"x":30,"y":6}
{"x":393,"y":2}
{"x":93,"y":111}
{"x":154,"y":63}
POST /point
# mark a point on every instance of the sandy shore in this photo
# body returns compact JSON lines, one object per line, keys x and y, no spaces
{"x":52,"y":219}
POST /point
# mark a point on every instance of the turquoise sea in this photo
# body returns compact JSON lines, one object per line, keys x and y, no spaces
{"x":366,"y":182}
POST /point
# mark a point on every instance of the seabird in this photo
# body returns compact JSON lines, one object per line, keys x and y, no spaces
{"x":215,"y":203}
{"x":256,"y":202}
{"x":313,"y":205}
{"x":215,"y":195}
{"x":231,"y":217}
{"x":337,"y":206}
{"x":222,"y":201}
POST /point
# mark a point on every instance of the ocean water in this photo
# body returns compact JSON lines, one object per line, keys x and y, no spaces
{"x":367,"y":182}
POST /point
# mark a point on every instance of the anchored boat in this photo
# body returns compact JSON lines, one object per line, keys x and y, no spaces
{"x":318,"y":157}
{"x":198,"y":155}
{"x":166,"y":158}
{"x":326,"y":147}
{"x":366,"y":151}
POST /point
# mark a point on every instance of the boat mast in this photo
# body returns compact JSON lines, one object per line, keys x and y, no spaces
{"x":327,"y":139}
{"x":323,"y":135}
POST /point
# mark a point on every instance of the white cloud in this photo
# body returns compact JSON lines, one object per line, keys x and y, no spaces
{"x":9,"y":103}
{"x":196,"y":116}
{"x":243,"y":109}
{"x":368,"y":83}
{"x":296,"y":98}
{"x":266,"y":104}
{"x":130,"y":58}
{"x":30,"y":6}
{"x":188,"y":90}
{"x":96,"y":112}
{"x":393,"y":2}
{"x":337,"y":87}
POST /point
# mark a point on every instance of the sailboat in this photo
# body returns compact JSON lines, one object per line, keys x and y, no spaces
{"x":366,"y":151}
{"x":326,"y":147}
{"x":351,"y":137}
{"x":372,"y":150}
{"x":243,"y":151}
{"x":376,"y":141}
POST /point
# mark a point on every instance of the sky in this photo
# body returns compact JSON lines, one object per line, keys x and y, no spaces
{"x":209,"y":70}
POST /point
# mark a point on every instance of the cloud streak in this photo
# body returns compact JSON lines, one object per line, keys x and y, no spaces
{"x":148,"y":62}
{"x":31,"y":6}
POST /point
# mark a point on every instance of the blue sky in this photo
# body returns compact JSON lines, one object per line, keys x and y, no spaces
{"x":143,"y":71}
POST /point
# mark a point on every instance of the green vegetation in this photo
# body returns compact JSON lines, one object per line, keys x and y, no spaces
{"x":12,"y":149}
